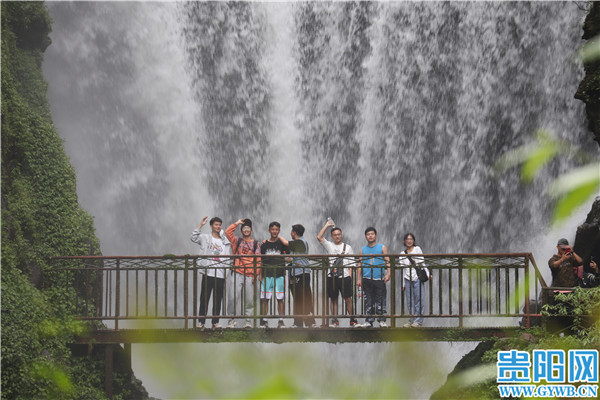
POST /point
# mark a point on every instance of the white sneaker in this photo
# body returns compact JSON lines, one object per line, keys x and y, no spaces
{"x":314,"y":326}
{"x":247,"y":325}
{"x":217,"y":326}
{"x":415,"y":325}
{"x":383,"y":325}
{"x":407,"y":325}
{"x":200,"y":325}
{"x":231,"y":324}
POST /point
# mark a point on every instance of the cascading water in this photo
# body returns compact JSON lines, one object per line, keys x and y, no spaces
{"x":384,"y":114}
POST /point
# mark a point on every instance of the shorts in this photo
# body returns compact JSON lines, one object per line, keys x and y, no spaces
{"x":268,"y":284}
{"x":335,"y":286}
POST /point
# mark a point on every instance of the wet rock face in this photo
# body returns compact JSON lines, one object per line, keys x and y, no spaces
{"x":587,"y":239}
{"x":589,"y":88}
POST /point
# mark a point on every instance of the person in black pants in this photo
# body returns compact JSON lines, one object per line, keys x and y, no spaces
{"x":300,"y":281}
{"x":213,"y":277}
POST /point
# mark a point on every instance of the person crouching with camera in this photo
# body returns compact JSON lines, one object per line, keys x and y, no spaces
{"x":565,"y":265}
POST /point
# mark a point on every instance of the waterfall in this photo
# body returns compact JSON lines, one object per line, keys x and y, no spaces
{"x":384,"y":114}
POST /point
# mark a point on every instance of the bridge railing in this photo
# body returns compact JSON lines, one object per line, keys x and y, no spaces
{"x":464,"y":290}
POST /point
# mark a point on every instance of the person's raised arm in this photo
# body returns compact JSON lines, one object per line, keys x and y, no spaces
{"x":196,"y":236}
{"x":577,"y":259}
{"x":230,"y":232}
{"x":321,"y":234}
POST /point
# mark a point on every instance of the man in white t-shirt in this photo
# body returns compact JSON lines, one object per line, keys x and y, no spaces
{"x":213,"y":277}
{"x":339,"y":276}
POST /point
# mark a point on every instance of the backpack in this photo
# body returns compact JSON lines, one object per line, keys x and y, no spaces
{"x":239,"y":240}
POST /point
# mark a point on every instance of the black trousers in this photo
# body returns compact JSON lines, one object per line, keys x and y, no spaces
{"x":375,"y":292}
{"x":210,"y":283}
{"x":303,"y":302}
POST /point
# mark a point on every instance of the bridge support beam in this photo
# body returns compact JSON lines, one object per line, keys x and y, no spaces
{"x":109,"y":351}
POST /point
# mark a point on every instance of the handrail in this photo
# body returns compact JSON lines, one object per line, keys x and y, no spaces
{"x":464,"y":285}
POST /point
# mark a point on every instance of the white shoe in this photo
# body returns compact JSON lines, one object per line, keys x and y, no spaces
{"x":247,"y":325}
{"x":407,"y":325}
{"x":200,"y":325}
{"x":231,"y":324}
{"x":366,"y":325}
{"x":217,"y":326}
{"x":383,"y":325}
{"x":314,"y":326}
{"x":415,"y":325}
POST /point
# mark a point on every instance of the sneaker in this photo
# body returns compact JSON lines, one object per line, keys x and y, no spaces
{"x":281,"y":324}
{"x":200,"y":325}
{"x":247,"y":325}
{"x":415,"y":325}
{"x":231,"y":324}
{"x":334,"y":323}
{"x":314,"y":326}
{"x":217,"y":326}
{"x":407,"y":325}
{"x":383,"y":325}
{"x":367,"y":325}
{"x":294,"y":326}
{"x":353,"y":323}
{"x":264,"y":324}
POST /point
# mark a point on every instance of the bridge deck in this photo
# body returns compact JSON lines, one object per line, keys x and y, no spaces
{"x":274,"y":335}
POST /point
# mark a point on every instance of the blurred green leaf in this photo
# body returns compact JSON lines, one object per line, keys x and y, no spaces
{"x":532,"y":156}
{"x":573,"y":200}
{"x":574,"y":189}
{"x":538,"y":158}
{"x":590,"y":52}
{"x":576,"y":178}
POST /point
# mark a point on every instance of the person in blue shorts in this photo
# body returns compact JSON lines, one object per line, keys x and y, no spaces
{"x":273,"y":273}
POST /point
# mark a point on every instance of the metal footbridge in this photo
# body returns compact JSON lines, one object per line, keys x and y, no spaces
{"x":155,"y":299}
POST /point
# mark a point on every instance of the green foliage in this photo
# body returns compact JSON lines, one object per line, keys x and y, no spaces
{"x":41,"y":218}
{"x":583,"y":305}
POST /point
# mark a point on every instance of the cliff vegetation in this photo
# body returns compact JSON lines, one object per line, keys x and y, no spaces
{"x":41,"y":218}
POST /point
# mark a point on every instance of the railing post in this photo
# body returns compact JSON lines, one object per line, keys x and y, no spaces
{"x":324,"y":298}
{"x":393,"y":292}
{"x":527,"y":320}
{"x":255,"y":290}
{"x":460,"y":291}
{"x":117,"y":294}
{"x":185,"y":292}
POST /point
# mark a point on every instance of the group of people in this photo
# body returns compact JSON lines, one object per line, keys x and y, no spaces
{"x":570,"y":270}
{"x":373,"y":271}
